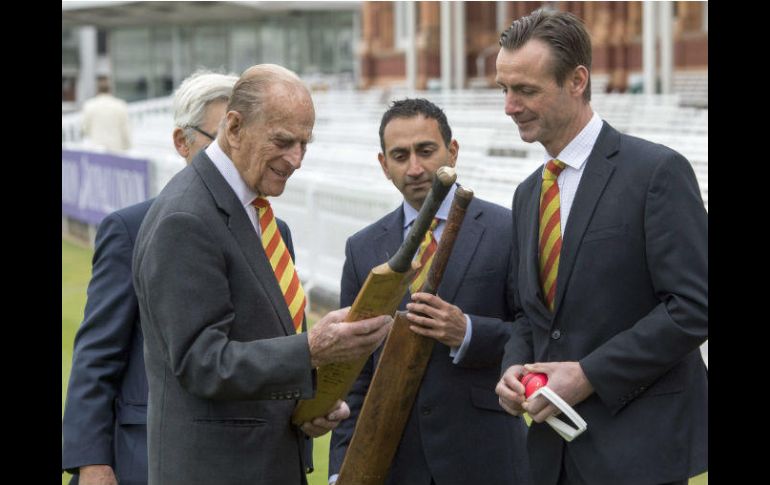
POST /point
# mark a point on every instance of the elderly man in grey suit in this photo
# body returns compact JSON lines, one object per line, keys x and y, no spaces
{"x":225,"y":362}
{"x":610,"y":245}
{"x":457,"y":433}
{"x":104,"y":437}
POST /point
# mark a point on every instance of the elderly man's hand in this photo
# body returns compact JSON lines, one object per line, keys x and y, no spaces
{"x":323,"y":424}
{"x":332,"y":340}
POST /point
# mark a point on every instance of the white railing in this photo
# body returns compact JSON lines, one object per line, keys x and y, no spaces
{"x":340,"y":188}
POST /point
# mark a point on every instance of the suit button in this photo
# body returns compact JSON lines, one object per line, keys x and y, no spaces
{"x":272,"y":395}
{"x":288,"y":395}
{"x":296,"y":394}
{"x":425,"y":411}
{"x":556,"y":334}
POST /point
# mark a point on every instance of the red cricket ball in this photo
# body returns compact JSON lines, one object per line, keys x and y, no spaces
{"x":533,"y":381}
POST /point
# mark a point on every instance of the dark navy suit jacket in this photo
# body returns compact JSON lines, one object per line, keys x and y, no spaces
{"x":106,"y":409}
{"x":631,"y":306}
{"x":457,"y":432}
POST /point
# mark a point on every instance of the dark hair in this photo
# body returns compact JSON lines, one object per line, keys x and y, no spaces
{"x":564,"y":34}
{"x":411,"y":107}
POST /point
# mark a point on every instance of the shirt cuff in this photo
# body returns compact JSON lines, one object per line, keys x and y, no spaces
{"x":334,"y":478}
{"x":458,"y":353}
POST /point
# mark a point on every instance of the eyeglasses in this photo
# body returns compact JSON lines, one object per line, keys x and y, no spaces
{"x":203,"y":132}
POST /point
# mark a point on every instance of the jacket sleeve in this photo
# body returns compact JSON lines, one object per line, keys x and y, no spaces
{"x":676,"y":246}
{"x":101,"y":349}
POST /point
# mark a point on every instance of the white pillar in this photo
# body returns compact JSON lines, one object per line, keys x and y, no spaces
{"x":459,"y":44}
{"x":502,"y":16}
{"x":176,"y":57}
{"x":86,"y":87}
{"x":356,"y":47}
{"x":666,"y":24}
{"x":648,"y":46}
{"x":411,"y":47}
{"x":446,"y":46}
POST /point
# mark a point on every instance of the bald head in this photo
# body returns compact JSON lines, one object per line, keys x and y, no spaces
{"x":259,"y":83}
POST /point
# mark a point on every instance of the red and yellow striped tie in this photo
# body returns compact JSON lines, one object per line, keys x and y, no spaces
{"x":280,"y":260}
{"x":550,"y":230}
{"x":425,"y":256}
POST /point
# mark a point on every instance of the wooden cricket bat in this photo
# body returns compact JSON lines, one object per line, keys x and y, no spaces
{"x":381,"y":293}
{"x":398,"y":376}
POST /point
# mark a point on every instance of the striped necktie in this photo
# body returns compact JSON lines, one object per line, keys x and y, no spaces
{"x":425,"y":257}
{"x":550,"y":230}
{"x":281,"y":261}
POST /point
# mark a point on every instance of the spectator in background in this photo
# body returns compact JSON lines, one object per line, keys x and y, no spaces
{"x":105,"y":119}
{"x":104,"y":430}
{"x":610,"y":253}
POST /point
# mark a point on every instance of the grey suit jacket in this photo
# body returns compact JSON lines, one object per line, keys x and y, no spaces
{"x":224,"y":366}
{"x":457,"y":433}
{"x":631,"y":307}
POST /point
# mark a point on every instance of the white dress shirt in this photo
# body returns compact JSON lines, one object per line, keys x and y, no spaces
{"x":574,"y":156}
{"x":234,"y":180}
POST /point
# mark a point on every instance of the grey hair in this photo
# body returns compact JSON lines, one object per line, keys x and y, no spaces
{"x":250,"y":92}
{"x":195,"y":93}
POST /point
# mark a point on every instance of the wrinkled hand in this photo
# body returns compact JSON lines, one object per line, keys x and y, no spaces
{"x":323,"y":424}
{"x":511,"y":390}
{"x":332,"y":340}
{"x":97,"y":475}
{"x":565,"y":379}
{"x":440,"y":320}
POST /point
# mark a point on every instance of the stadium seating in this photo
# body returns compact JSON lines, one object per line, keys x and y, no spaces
{"x":340,"y":188}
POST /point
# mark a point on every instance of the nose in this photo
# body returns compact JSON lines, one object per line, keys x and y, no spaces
{"x":415,"y":168}
{"x":294,"y":155}
{"x":513,"y":104}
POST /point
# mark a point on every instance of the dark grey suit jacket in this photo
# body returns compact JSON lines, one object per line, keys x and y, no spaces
{"x":631,"y":307}
{"x":457,"y":432}
{"x":224,"y":367}
{"x":106,"y":410}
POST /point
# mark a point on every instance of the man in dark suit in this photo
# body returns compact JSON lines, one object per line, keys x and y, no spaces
{"x":457,"y":433}
{"x":104,"y":435}
{"x":225,"y":366}
{"x":611,"y":267}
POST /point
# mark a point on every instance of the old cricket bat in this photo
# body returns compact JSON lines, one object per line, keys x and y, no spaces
{"x":381,"y":293}
{"x":398,"y":376}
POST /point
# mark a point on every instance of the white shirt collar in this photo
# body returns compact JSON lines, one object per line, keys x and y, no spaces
{"x":410,"y":213}
{"x":230,"y":173}
{"x":577,"y":151}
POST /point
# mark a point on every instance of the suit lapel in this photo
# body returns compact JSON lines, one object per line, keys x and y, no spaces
{"x":387,"y":242}
{"x":595,"y":177}
{"x":465,"y":246}
{"x":391,"y":236}
{"x":531,"y":251}
{"x":243,"y":231}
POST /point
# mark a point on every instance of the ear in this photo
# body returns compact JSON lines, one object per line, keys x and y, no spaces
{"x":384,"y":165}
{"x":180,"y":143}
{"x":579,"y":81}
{"x":233,"y":129}
{"x":454,"y":150}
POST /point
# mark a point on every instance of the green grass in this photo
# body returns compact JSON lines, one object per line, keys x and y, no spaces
{"x":76,"y":271}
